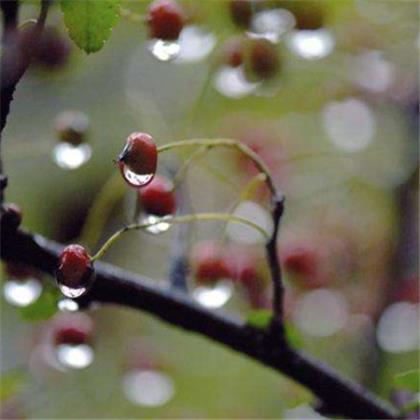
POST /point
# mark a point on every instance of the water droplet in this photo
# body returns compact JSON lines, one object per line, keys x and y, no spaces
{"x":68,"y":157}
{"x":231,"y":82}
{"x":272,"y":24}
{"x":67,"y":305}
{"x":195,"y":44}
{"x":164,"y":50}
{"x":75,"y":356}
{"x":71,"y":292}
{"x":213,"y":295}
{"x":398,"y":328}
{"x":148,"y":388}
{"x":137,"y":180}
{"x":161,"y":227}
{"x":22,"y":292}
{"x":311,"y":44}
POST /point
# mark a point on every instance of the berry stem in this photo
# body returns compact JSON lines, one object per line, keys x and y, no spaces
{"x":176,"y":220}
{"x":211,"y":143}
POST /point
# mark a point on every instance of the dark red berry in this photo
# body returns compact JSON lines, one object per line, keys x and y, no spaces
{"x":75,"y":268}
{"x":139,"y":156}
{"x":263,"y":58}
{"x":158,"y":197}
{"x":242,"y":11}
{"x":209,"y":264}
{"x":73,"y":329}
{"x":166,"y":19}
{"x":11,"y":217}
{"x":70,"y":335}
{"x":233,"y":52}
{"x":309,"y":15}
{"x":72,"y":127}
{"x":19,"y":271}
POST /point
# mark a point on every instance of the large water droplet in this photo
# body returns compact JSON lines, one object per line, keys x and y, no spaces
{"x":68,"y":157}
{"x":163,"y":50}
{"x":67,"y":305}
{"x":311,"y":44}
{"x":75,"y":356}
{"x":231,"y":82}
{"x":22,"y":292}
{"x":195,"y":44}
{"x":148,"y":388}
{"x":137,"y":180}
{"x":71,"y":292}
{"x":272,"y":24}
{"x":163,"y":225}
{"x":213,"y":295}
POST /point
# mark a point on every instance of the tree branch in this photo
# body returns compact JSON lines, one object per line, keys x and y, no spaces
{"x":113,"y":285}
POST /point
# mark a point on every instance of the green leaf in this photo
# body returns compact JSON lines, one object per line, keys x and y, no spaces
{"x":293,"y":335}
{"x":43,"y":308}
{"x":90,"y":22}
{"x":259,"y":319}
{"x":409,"y":380}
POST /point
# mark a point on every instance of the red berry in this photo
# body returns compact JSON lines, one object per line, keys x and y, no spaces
{"x":242,"y":11}
{"x":166,"y":19}
{"x":72,"y":329}
{"x":70,"y":335}
{"x":209,"y":264}
{"x":72,"y":127}
{"x":232,"y":52}
{"x":158,"y":197}
{"x":11,"y":217}
{"x":75,"y":268}
{"x":263,"y":58}
{"x":19,"y":271}
{"x":309,"y":15}
{"x":139,"y":156}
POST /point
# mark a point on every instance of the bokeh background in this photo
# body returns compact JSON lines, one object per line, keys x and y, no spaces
{"x":338,"y":126}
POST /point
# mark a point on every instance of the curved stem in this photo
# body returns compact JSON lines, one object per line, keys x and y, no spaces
{"x":210,"y":143}
{"x":175,"y":220}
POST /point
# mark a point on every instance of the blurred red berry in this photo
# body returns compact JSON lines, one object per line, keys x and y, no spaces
{"x":11,"y":217}
{"x":263,"y":59}
{"x":166,"y":19}
{"x":75,"y":267}
{"x":158,"y":197}
{"x":233,"y":51}
{"x":73,"y":329}
{"x":309,"y":15}
{"x":72,"y":127}
{"x":241,"y":12}
{"x":19,"y":271}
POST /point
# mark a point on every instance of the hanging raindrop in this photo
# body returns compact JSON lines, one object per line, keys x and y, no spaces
{"x":68,"y":156}
{"x":22,"y":292}
{"x":164,"y":50}
{"x":213,"y":295}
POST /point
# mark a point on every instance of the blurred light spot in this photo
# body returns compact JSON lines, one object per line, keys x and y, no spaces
{"x":372,"y":72}
{"x":398,"y":328}
{"x":77,"y":356}
{"x":67,"y":156}
{"x":213,"y":296}
{"x":231,"y":82}
{"x":163,"y":50}
{"x":67,"y":305}
{"x":303,"y":411}
{"x":161,"y":227}
{"x":272,"y":24}
{"x":22,"y":293}
{"x":350,"y":124}
{"x":321,"y":313}
{"x":195,"y":44}
{"x":255,"y":213}
{"x":148,"y":388}
{"x":311,"y":44}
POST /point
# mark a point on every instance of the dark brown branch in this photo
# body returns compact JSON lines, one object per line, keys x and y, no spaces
{"x":113,"y":285}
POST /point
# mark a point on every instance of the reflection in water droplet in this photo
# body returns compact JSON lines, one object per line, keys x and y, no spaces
{"x":350,"y":124}
{"x":163,"y":50}
{"x":398,"y":328}
{"x":272,"y":24}
{"x":215,"y":295}
{"x":67,"y":156}
{"x":67,"y":305}
{"x":22,"y":292}
{"x":321,"y":313}
{"x":76,"y":356}
{"x":311,"y":44}
{"x":195,"y":44}
{"x":161,"y":227}
{"x":148,"y":388}
{"x":255,"y":213}
{"x":231,"y":82}
{"x":70,"y":292}
{"x":134,"y":179}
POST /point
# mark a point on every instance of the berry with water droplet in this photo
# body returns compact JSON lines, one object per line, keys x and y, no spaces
{"x":158,"y":197}
{"x":72,"y":127}
{"x":138,"y":160}
{"x":263,"y":60}
{"x":165,"y":19}
{"x":75,"y":271}
{"x":11,"y":217}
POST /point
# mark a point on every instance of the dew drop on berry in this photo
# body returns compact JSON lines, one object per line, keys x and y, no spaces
{"x":160,"y":224}
{"x":67,"y":305}
{"x":68,"y":156}
{"x":311,"y":44}
{"x":23,"y":292}
{"x":213,"y":295}
{"x":164,"y":50}
{"x":74,"y":356}
{"x":137,"y":180}
{"x":71,"y":292}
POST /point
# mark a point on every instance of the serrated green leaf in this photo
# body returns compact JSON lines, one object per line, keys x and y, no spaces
{"x":90,"y":22}
{"x":409,"y":380}
{"x":259,"y":319}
